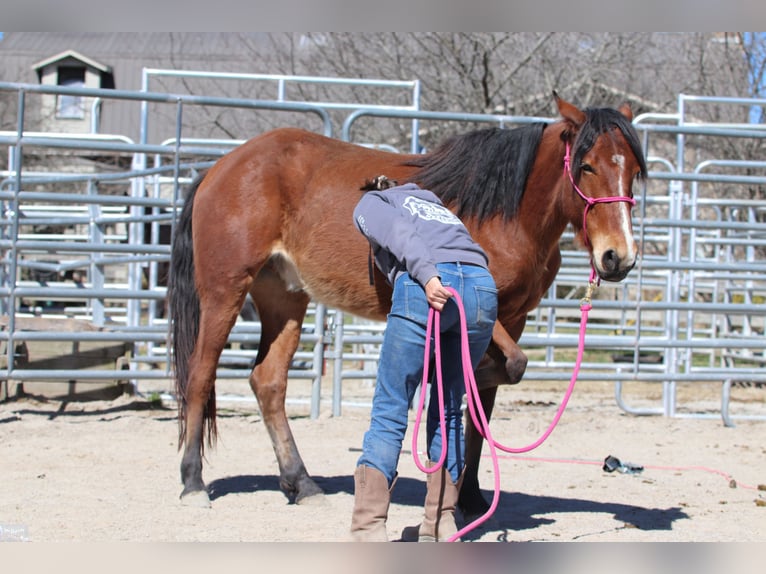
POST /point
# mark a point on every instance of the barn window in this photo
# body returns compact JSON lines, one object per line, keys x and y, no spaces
{"x":68,"y":106}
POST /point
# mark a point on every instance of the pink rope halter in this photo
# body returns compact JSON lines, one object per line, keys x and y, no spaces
{"x":589,"y":201}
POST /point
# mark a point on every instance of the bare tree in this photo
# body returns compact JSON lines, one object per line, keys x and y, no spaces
{"x":515,"y":73}
{"x":502,"y":73}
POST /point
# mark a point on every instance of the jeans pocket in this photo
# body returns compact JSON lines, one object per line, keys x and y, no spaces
{"x":486,"y":305}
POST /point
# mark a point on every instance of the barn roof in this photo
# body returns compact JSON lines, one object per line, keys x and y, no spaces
{"x":71,"y":54}
{"x":124,"y":55}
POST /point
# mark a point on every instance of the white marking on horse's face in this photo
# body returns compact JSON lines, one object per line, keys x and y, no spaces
{"x":628,"y":251}
{"x":625,"y":223}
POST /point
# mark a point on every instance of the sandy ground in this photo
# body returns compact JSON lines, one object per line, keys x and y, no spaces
{"x":107,"y":471}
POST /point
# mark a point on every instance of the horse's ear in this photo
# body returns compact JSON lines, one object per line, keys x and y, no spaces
{"x":569,"y":112}
{"x":625,"y":110}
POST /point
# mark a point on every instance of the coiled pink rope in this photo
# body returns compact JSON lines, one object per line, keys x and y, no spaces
{"x":474,"y":402}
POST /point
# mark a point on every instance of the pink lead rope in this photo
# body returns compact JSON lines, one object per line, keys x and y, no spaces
{"x":472,"y":392}
{"x":474,"y":402}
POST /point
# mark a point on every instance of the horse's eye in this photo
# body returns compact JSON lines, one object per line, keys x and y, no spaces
{"x":586,"y":167}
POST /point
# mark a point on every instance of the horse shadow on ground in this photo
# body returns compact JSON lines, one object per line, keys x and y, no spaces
{"x":516,"y":511}
{"x":107,"y":413}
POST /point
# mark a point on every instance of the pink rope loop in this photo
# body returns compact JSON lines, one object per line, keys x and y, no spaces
{"x":475,"y":409}
{"x":433,"y":325}
{"x":472,"y":392}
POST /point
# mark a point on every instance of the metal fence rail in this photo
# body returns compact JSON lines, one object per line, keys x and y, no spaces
{"x":80,"y":249}
{"x":85,"y":247}
{"x":693,"y":309}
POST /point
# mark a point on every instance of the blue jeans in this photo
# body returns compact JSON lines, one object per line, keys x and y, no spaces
{"x":401,"y":366}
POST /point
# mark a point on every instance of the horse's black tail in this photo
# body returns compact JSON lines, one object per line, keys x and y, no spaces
{"x":184,"y":305}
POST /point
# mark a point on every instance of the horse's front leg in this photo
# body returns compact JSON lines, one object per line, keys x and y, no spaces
{"x":505,"y":351}
{"x":279,"y":340}
{"x":504,"y":363}
{"x":470,"y":500}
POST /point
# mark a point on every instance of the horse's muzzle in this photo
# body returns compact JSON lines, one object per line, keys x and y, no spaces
{"x":612,"y":267}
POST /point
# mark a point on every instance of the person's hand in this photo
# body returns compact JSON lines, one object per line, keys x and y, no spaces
{"x":436,"y":294}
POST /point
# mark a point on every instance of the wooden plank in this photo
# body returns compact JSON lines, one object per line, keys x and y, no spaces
{"x":65,"y":324}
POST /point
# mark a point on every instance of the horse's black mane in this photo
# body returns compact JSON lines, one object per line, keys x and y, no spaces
{"x":483,"y":173}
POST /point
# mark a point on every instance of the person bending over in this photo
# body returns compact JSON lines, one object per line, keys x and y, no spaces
{"x":422,"y":248}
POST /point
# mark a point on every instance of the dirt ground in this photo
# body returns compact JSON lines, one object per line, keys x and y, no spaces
{"x":108,"y":470}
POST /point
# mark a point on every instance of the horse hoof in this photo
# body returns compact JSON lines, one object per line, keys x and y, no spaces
{"x":196,"y":499}
{"x":472,"y":505}
{"x":307,"y":492}
{"x":515,"y":369}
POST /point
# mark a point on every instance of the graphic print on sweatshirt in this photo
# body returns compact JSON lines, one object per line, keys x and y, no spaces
{"x":430,"y":211}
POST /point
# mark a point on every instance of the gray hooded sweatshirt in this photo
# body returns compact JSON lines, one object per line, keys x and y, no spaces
{"x":410,"y":230}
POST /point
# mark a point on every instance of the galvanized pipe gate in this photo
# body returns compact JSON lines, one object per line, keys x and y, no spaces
{"x":82,"y":251}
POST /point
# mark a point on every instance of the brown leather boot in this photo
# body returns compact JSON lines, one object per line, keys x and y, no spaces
{"x":439,"y":509}
{"x":372,"y":496}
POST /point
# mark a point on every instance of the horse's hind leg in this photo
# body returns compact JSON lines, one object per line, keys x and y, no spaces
{"x":281,"y":312}
{"x":218,"y":312}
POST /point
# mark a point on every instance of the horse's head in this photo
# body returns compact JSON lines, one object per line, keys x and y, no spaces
{"x":603,"y":161}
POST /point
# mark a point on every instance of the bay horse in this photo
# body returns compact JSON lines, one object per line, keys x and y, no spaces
{"x":273,"y":218}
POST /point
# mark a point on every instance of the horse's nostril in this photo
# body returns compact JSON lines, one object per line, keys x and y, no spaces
{"x":610,"y":261}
